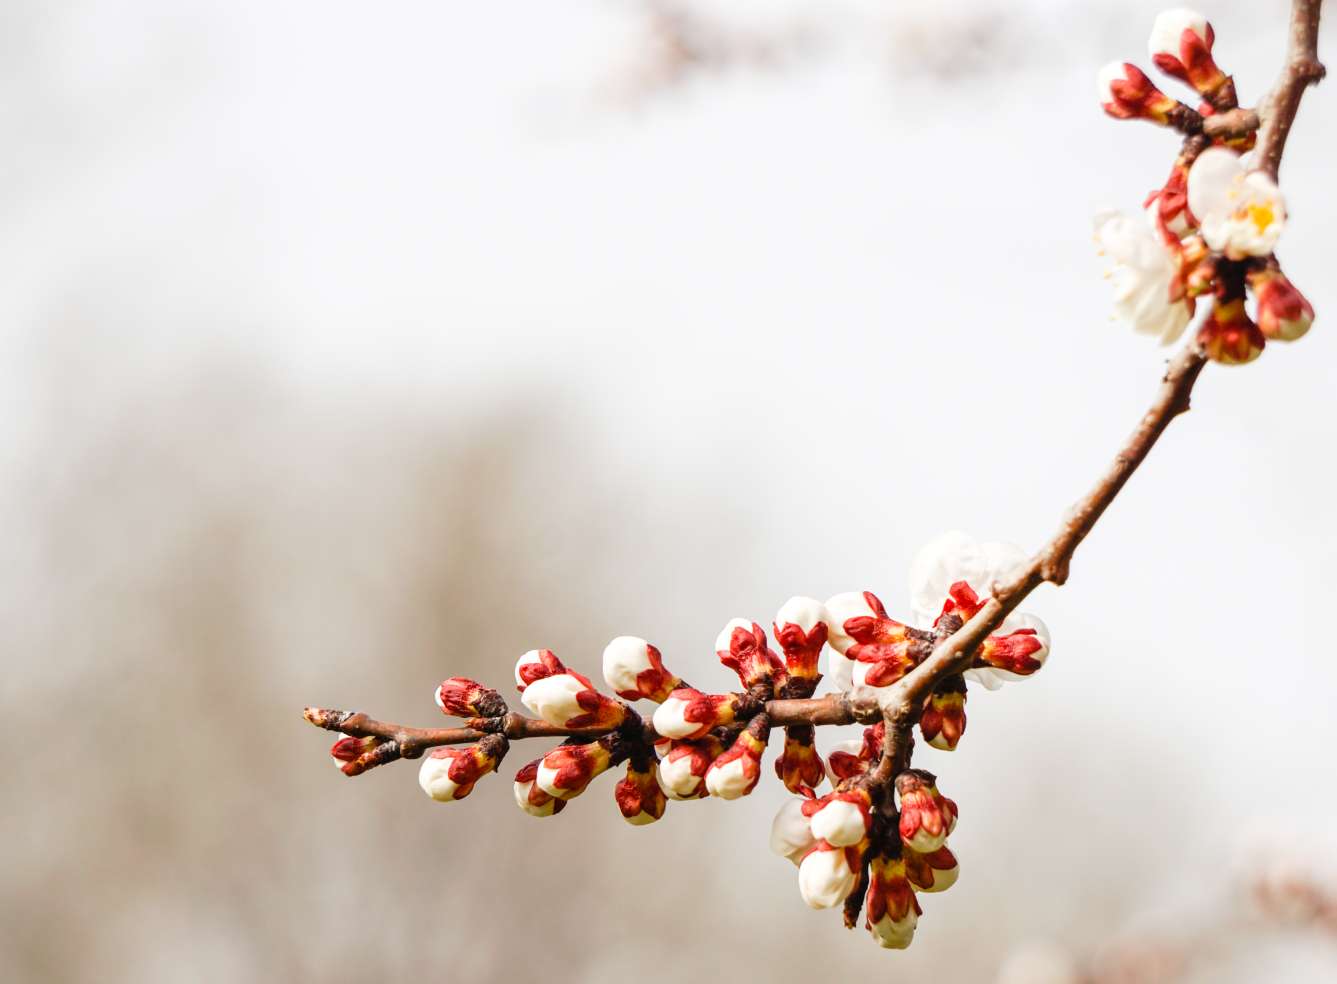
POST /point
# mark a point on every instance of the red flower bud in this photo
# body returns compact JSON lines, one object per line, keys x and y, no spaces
{"x":741,"y":646}
{"x":462,"y":697}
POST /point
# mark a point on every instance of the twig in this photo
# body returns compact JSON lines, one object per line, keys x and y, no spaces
{"x":1301,"y":70}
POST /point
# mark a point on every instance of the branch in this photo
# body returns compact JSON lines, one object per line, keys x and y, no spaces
{"x":1301,"y":70}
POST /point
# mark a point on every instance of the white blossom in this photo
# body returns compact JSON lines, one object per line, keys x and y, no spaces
{"x":791,"y":834}
{"x":955,"y":557}
{"x":1143,"y":275}
{"x":1240,"y":212}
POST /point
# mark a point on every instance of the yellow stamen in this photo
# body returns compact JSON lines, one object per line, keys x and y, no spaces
{"x":1261,"y":216}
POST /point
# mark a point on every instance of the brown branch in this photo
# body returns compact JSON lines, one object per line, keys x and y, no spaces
{"x":1301,"y":70}
{"x":903,"y":703}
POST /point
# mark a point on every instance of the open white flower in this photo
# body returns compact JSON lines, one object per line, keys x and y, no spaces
{"x":953,"y":558}
{"x":1143,"y":274}
{"x":1240,"y":212}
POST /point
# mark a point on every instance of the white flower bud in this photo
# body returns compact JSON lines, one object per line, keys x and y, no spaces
{"x":839,"y":670}
{"x":729,"y":780}
{"x":1168,"y":30}
{"x":791,"y":834}
{"x":670,"y":718}
{"x":803,"y":612}
{"x":839,"y":610}
{"x":554,"y":698}
{"x":839,"y":823}
{"x":434,"y":778}
{"x":625,"y":658}
{"x":678,"y":778}
{"x":523,"y":799}
{"x":825,"y":879}
{"x":894,"y":935}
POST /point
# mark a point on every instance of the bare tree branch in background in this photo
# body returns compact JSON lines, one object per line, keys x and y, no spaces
{"x":880,"y":836}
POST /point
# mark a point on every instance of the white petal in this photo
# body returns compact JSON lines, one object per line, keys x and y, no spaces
{"x":1111,"y":72}
{"x":839,"y":671}
{"x":723,"y":640}
{"x":791,"y":834}
{"x":676,"y":778}
{"x":839,"y":823}
{"x":803,"y":612}
{"x":670,"y":719}
{"x":1169,"y":29}
{"x":824,"y":879}
{"x":895,"y":935}
{"x":434,"y":778}
{"x":624,"y":659}
{"x":1211,"y":180}
{"x":940,"y":563}
{"x":728,"y":781}
{"x":554,"y":698}
{"x":840,"y":609}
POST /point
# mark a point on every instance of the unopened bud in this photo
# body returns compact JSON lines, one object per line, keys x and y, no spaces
{"x":892,"y":909}
{"x":462,"y":697}
{"x":742,"y":647}
{"x":682,"y":771}
{"x":800,"y":629}
{"x":927,"y":817}
{"x":449,"y":773}
{"x":735,"y":773}
{"x":530,"y":798}
{"x":688,"y":713}
{"x":569,"y":700}
{"x":639,"y":797}
{"x":633,"y":669}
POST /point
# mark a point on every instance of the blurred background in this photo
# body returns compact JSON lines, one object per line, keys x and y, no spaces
{"x":347,"y":347}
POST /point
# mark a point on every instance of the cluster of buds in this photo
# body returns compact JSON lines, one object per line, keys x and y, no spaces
{"x":876,"y":838}
{"x":1211,"y":229}
{"x":862,"y":838}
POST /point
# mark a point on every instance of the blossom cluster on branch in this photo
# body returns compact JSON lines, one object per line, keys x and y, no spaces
{"x":1211,"y":229}
{"x":876,"y":839}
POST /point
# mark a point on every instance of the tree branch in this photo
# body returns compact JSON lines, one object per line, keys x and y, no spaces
{"x":1301,"y":70}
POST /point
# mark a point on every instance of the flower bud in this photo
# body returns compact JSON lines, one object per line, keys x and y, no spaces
{"x":1126,"y":93}
{"x":530,"y":798}
{"x":633,"y":669}
{"x":842,"y":819}
{"x":892,"y":909}
{"x":1181,"y":46}
{"x":854,"y":756}
{"x":569,"y":700}
{"x":1018,"y":653}
{"x":828,"y":874}
{"x":791,"y":834}
{"x":843,"y":608}
{"x":884,"y":649}
{"x":1229,"y":336}
{"x":639,"y":797}
{"x":535,"y":665}
{"x":462,"y":697}
{"x":735,"y":773}
{"x":1283,"y":312}
{"x":682,"y":771}
{"x":566,"y":770}
{"x":349,"y":754}
{"x":688,"y":713}
{"x":800,"y":629}
{"x":741,"y":646}
{"x":944,"y":719}
{"x":449,"y":773}
{"x":799,"y":766}
{"x":934,"y":872}
{"x":927,"y":817}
